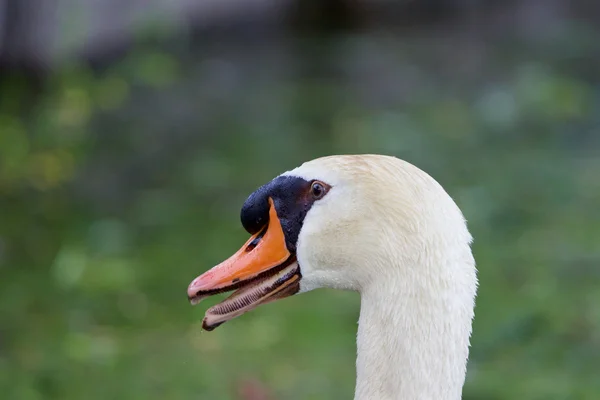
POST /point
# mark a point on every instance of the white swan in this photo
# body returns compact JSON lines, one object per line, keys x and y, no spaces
{"x":377,"y":225}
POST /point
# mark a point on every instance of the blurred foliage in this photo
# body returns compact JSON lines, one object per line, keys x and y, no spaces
{"x":119,"y":185}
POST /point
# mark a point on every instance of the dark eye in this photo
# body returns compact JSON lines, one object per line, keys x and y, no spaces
{"x":318,"y":190}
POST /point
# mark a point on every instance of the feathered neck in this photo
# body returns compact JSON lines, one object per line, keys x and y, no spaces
{"x":415,"y":346}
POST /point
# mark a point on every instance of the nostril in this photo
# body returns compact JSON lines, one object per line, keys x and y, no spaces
{"x":252,"y":244}
{"x":255,"y":242}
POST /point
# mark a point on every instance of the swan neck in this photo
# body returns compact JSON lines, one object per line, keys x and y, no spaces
{"x":415,"y":346}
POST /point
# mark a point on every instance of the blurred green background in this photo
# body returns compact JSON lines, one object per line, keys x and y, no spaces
{"x":123,"y":170}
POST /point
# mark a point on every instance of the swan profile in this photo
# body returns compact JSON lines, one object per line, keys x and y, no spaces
{"x":373,"y":224}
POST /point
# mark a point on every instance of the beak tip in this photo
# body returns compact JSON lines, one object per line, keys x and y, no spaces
{"x":192,"y":292}
{"x":194,"y":287}
{"x":208,"y":327}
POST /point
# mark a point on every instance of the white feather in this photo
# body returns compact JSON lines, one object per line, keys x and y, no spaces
{"x":389,"y":231}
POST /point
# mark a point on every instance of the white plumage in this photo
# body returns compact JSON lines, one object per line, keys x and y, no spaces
{"x":390,"y":231}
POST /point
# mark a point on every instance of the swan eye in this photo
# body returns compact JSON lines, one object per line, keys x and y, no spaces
{"x":318,"y":190}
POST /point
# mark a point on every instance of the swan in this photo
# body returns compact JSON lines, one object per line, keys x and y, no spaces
{"x":377,"y":225}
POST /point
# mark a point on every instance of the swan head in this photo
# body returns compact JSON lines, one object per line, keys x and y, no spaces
{"x":353,"y":222}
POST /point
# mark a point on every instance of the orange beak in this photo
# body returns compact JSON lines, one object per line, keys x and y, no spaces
{"x":260,"y":254}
